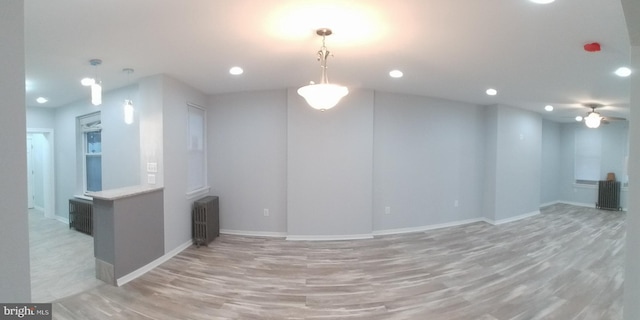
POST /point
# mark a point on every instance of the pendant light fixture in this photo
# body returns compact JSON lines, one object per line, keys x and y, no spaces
{"x":323,"y":95}
{"x":96,"y":85}
{"x":128,"y":104}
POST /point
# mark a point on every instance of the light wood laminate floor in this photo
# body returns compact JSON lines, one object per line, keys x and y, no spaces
{"x":566,"y":263}
{"x":62,"y":260}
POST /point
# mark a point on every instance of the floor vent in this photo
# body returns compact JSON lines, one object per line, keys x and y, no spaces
{"x":608,"y":195}
{"x":206,"y":221}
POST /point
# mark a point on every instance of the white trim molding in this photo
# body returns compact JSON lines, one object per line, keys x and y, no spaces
{"x":254,"y":233}
{"x":148,"y":267}
{"x":62,"y":219}
{"x":579,"y":204}
{"x":329,"y":237}
{"x":427,"y":227}
{"x":512,"y":219}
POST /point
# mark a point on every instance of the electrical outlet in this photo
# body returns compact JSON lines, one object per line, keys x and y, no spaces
{"x":266,"y":212}
{"x":455,"y":203}
{"x":387,"y":210}
{"x":152,"y":167}
{"x":151,"y":179}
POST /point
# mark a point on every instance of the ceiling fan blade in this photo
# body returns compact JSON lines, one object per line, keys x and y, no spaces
{"x":614,"y":118}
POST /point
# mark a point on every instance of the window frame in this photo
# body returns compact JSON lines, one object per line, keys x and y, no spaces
{"x":193,"y":191}
{"x":88,"y":124}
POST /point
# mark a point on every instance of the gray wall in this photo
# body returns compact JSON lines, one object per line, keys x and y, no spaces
{"x":329,"y":166}
{"x":14,"y":246}
{"x":177,"y":206}
{"x":428,"y":154}
{"x":429,"y":161}
{"x":247,"y":145}
{"x":550,"y":176}
{"x":518,"y":163}
{"x":120,"y":147}
{"x":40,"y":118}
{"x":150,"y":119}
{"x":490,"y":161}
{"x":614,"y":148}
{"x":632,"y":275}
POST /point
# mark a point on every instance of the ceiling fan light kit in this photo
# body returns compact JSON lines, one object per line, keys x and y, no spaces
{"x":592,"y":120}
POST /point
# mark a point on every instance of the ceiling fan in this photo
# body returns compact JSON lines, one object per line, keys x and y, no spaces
{"x":593,"y":119}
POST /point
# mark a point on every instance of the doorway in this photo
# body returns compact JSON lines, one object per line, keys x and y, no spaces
{"x":40,"y":165}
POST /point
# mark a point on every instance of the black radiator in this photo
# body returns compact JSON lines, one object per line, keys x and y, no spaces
{"x":81,"y":215}
{"x":206,"y":224}
{"x":608,"y":195}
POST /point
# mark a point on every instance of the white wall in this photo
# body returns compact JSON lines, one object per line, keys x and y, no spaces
{"x":550,"y":176}
{"x":330,"y":166}
{"x":14,"y":245}
{"x":428,"y":157}
{"x":247,"y":144}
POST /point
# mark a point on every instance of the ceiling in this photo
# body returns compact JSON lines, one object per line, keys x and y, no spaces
{"x":531,"y":53}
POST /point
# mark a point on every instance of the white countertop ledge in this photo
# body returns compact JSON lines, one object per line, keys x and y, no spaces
{"x":125,"y":192}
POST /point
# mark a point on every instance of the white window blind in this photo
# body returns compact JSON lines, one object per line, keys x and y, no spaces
{"x":196,"y":146}
{"x":588,"y":153}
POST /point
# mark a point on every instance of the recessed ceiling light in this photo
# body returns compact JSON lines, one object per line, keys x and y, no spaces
{"x":579,"y":118}
{"x":492,"y":92}
{"x":41,"y":100}
{"x":396,"y":73}
{"x":623,"y":72}
{"x":87,"y":81}
{"x":542,"y":1}
{"x":236,"y":71}
{"x":548,"y":107}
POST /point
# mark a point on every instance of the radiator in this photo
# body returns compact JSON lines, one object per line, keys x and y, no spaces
{"x":81,"y":215}
{"x":608,"y":195}
{"x":206,"y":221}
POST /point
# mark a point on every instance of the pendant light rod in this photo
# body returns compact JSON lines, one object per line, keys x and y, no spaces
{"x":128,"y":103}
{"x":323,"y":54}
{"x":96,"y":86}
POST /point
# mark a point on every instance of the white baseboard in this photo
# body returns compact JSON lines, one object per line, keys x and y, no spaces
{"x":148,"y":267}
{"x":329,"y":237}
{"x":512,"y":219}
{"x":426,"y":228}
{"x":579,"y":204}
{"x":254,"y":233}
{"x":549,"y":203}
{"x":62,"y":219}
